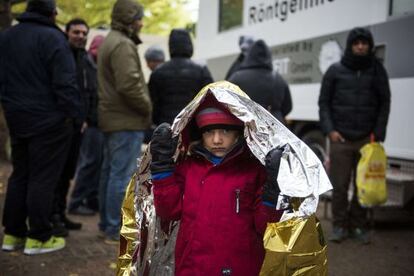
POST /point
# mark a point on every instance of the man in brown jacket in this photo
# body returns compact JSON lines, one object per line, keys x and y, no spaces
{"x":124,"y":111}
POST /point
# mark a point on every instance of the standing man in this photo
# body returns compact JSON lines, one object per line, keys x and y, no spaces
{"x":124,"y":111}
{"x":41,"y":102}
{"x":256,"y":77}
{"x":354,"y":103}
{"x":154,"y":56}
{"x":175,"y":83}
{"x":77,"y":33}
{"x":84,"y":197}
{"x":245,"y":43}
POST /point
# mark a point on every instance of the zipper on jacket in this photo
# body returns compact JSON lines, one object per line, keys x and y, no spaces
{"x":358,"y":73}
{"x":237,"y":201}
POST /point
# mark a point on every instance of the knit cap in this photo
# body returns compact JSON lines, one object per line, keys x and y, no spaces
{"x":212,"y":118}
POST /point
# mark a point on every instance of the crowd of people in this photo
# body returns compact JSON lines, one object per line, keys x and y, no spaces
{"x":83,"y":115}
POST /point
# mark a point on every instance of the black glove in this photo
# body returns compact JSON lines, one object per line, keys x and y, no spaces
{"x":162,"y":149}
{"x":271,"y":187}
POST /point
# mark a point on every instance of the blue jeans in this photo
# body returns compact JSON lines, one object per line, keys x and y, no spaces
{"x":121,"y":150}
{"x":88,"y":170}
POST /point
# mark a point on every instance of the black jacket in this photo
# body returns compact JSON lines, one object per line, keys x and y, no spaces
{"x":174,"y":84}
{"x":355,"y":96}
{"x":257,"y":79}
{"x":88,"y":85}
{"x":37,"y":77}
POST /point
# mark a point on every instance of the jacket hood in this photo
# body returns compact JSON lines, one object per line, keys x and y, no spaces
{"x":180,"y":43}
{"x":123,"y":15}
{"x":358,"y":62}
{"x":38,"y":18}
{"x":359,"y":33}
{"x":259,"y":56}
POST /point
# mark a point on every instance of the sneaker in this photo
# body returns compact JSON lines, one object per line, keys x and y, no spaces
{"x":112,"y":240}
{"x":12,"y":243}
{"x":82,"y":211}
{"x":33,"y":247}
{"x":361,"y":236}
{"x":338,"y":235}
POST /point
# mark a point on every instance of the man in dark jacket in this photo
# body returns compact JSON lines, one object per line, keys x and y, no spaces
{"x":77,"y":32}
{"x":174,"y":84}
{"x":84,"y":198}
{"x":354,"y":103}
{"x":256,"y":77}
{"x":245,"y":43}
{"x":41,"y":102}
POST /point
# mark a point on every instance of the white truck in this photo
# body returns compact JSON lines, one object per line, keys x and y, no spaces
{"x":306,"y":37}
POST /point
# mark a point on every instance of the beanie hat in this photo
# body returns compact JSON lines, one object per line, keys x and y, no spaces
{"x":154,"y":53}
{"x":211,"y":118}
{"x":43,"y":7}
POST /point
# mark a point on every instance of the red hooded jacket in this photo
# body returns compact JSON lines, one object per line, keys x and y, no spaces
{"x":222,"y":218}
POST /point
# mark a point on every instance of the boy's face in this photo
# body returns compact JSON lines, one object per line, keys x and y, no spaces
{"x":220,"y":141}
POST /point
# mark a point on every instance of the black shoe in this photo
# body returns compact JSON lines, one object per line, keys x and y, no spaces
{"x":58,"y":227}
{"x":338,"y":234}
{"x":70,"y":225}
{"x":360,"y":235}
{"x":82,"y":211}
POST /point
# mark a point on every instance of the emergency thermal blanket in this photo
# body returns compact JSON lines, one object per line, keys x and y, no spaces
{"x":295,"y":247}
{"x":301,"y":174}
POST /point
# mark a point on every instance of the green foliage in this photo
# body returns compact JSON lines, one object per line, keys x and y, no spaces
{"x":160,"y":15}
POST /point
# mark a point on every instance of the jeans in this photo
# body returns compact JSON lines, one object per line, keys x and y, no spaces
{"x":37,"y":164}
{"x":121,"y":150}
{"x":88,"y":170}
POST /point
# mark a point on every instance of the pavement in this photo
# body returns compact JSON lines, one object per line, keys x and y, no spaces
{"x":389,"y":254}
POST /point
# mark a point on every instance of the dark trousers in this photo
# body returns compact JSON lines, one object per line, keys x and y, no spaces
{"x":88,"y":170}
{"x":63,"y":183}
{"x":37,"y":164}
{"x":344,"y":159}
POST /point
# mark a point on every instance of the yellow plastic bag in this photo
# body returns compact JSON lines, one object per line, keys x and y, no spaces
{"x":370,"y":177}
{"x":295,"y":247}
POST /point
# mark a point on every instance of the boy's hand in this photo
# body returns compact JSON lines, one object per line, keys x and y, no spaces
{"x":162,"y":148}
{"x":271,"y":187}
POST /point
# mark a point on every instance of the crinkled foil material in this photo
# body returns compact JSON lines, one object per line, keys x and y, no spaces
{"x":295,"y":247}
{"x":301,"y":175}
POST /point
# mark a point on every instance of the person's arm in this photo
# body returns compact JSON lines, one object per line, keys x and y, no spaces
{"x":168,"y":194}
{"x":383,"y":88}
{"x":153,"y":86}
{"x":267,"y":195}
{"x":59,"y":59}
{"x":264,"y":212}
{"x":129,"y":81}
{"x":206,"y":77}
{"x":324,"y":102}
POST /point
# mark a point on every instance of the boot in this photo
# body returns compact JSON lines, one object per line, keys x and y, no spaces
{"x":71,"y":225}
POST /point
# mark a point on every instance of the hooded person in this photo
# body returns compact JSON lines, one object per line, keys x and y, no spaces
{"x":41,"y":101}
{"x":217,"y":171}
{"x":245,"y":43}
{"x":216,"y":194}
{"x":354,"y":104}
{"x":175,"y":83}
{"x":124,"y":111}
{"x":256,"y":77}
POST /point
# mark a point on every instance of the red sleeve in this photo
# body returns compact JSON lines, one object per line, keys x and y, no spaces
{"x":168,"y":194}
{"x":264,"y":214}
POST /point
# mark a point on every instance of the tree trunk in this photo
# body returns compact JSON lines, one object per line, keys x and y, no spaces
{"x":5,"y":14}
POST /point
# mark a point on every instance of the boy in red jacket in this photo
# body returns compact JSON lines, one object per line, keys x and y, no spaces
{"x":221,"y":194}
